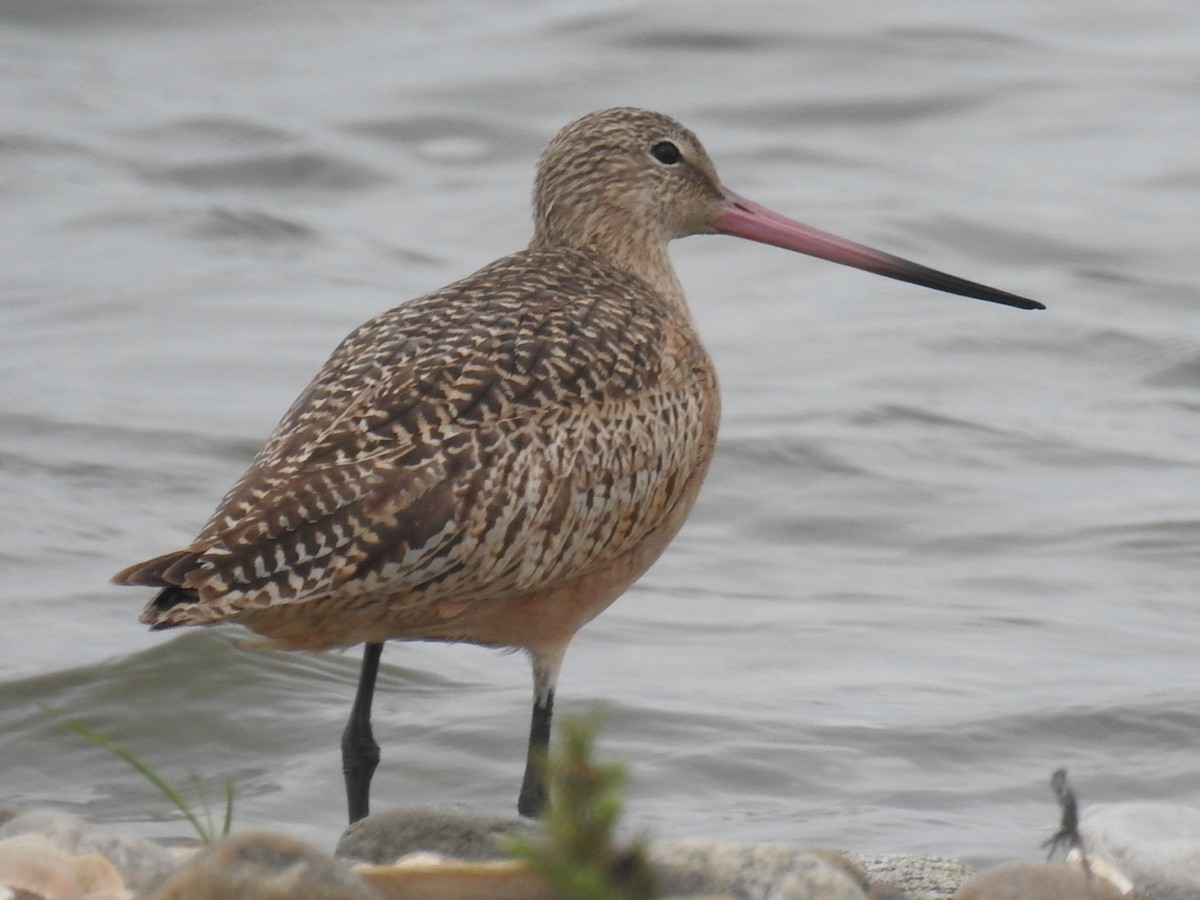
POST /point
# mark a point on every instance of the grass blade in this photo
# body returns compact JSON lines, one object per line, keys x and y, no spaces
{"x":144,"y":769}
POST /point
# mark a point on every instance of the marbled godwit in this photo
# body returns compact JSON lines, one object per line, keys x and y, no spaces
{"x":497,"y":461}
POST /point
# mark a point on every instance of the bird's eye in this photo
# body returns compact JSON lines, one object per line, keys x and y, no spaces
{"x":666,"y":153}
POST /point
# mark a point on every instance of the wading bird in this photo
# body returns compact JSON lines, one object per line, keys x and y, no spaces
{"x":497,"y":461}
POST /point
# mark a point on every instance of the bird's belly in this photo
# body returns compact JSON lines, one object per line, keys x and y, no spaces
{"x":549,"y":616}
{"x":542,"y":607}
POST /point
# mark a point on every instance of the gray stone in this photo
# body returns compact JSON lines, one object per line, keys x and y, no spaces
{"x":141,"y":863}
{"x":756,"y":872}
{"x":1156,"y":846}
{"x":1153,"y":891}
{"x":387,"y":836}
{"x":926,"y":877}
{"x":262,"y":866}
{"x":1036,"y":881}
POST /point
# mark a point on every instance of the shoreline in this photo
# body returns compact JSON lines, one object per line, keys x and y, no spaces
{"x":452,"y":853}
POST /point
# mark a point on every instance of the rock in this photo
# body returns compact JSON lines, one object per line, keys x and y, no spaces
{"x":1037,"y":881}
{"x":141,"y":864}
{"x":1157,"y":846}
{"x":32,"y":865}
{"x":388,"y":836}
{"x":930,"y":877}
{"x":259,"y":865}
{"x":756,"y":872}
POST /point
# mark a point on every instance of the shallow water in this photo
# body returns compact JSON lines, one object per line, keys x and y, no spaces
{"x":946,"y":547}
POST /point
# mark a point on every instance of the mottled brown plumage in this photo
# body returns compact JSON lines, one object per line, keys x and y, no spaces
{"x":497,"y":439}
{"x":497,"y":461}
{"x":502,"y":436}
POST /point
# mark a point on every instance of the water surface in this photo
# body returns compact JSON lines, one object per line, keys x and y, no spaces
{"x":945,"y":548}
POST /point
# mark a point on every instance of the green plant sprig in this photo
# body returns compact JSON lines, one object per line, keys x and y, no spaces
{"x":576,"y":852}
{"x":203,"y":828}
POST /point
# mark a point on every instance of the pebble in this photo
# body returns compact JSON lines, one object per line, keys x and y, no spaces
{"x":31,"y":865}
{"x":52,"y":841}
{"x":926,"y":877}
{"x":387,"y":836}
{"x":1157,"y":846}
{"x":262,"y":865}
{"x":50,"y":854}
{"x":756,"y":872}
{"x":1023,"y":880}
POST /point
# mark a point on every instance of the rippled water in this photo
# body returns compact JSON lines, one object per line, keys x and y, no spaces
{"x":945,"y":548}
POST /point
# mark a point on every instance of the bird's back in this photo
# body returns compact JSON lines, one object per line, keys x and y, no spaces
{"x":512,"y":432}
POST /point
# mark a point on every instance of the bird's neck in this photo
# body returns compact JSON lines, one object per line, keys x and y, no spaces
{"x":642,"y":255}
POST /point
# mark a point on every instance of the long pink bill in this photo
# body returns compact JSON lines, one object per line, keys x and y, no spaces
{"x":744,"y":218}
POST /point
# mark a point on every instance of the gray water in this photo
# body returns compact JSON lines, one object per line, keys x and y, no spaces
{"x":945,"y":548}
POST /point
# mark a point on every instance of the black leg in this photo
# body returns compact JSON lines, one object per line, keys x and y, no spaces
{"x":533,"y":789}
{"x":360,"y":753}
